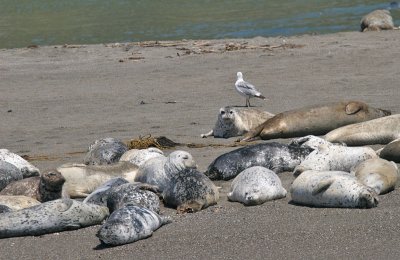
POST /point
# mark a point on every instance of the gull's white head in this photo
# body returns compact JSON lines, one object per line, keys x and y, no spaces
{"x":239,"y":75}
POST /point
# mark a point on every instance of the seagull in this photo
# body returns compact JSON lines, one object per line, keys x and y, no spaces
{"x":246,"y":89}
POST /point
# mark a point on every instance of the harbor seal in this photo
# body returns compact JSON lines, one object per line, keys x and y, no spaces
{"x":81,"y":179}
{"x":256,"y":185}
{"x":4,"y":209}
{"x":377,"y":131}
{"x":309,"y":141}
{"x":140,"y":156}
{"x":331,"y":189}
{"x":391,"y":151}
{"x":18,"y":202}
{"x":314,"y":120}
{"x":377,"y":20}
{"x":100,"y":195}
{"x":189,"y":190}
{"x":26,"y":168}
{"x":139,"y":194}
{"x":129,"y":224}
{"x":236,"y":121}
{"x":8,"y":174}
{"x":330,"y":157}
{"x":158,"y":171}
{"x":105,"y":151}
{"x":379,"y":174}
{"x":274,"y":156}
{"x":49,"y":217}
{"x":43,"y":188}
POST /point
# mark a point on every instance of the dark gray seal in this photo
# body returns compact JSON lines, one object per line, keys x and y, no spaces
{"x":100,"y":195}
{"x":391,"y":151}
{"x":274,"y":156}
{"x":139,"y":194}
{"x":314,"y":120}
{"x":8,"y":174}
{"x":189,"y":191}
{"x":43,"y":188}
{"x":105,"y":151}
{"x":49,"y":217}
{"x":4,"y":209}
{"x":129,"y":224}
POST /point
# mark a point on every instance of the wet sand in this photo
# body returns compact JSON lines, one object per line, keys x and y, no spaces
{"x":56,"y":100}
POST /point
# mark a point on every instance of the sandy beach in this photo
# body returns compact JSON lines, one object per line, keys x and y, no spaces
{"x":56,"y":100}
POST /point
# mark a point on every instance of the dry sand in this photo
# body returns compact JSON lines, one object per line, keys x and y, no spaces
{"x":56,"y":100}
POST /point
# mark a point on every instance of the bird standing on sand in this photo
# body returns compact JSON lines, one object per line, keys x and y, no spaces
{"x":246,"y":89}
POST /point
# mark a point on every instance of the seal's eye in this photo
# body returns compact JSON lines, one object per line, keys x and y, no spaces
{"x":231,"y":112}
{"x":222,"y":112}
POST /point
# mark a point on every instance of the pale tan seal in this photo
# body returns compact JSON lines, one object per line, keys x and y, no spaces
{"x":377,"y":20}
{"x":236,"y":121}
{"x":140,"y":156}
{"x":18,"y":202}
{"x":379,"y":174}
{"x":377,"y":131}
{"x":391,"y":151}
{"x":81,"y":179}
{"x":332,"y":189}
{"x":314,"y":120}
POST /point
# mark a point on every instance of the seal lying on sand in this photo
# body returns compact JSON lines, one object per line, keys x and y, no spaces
{"x":139,"y":157}
{"x":236,"y":121}
{"x":100,"y":195}
{"x":309,"y":141}
{"x":330,"y":157}
{"x":378,"y":131}
{"x":314,"y":120}
{"x":105,"y":151}
{"x":139,"y":194}
{"x":158,"y":171}
{"x":129,"y":224}
{"x":379,"y":174}
{"x":8,"y":174}
{"x":49,"y":217}
{"x":81,"y":180}
{"x":377,"y":20}
{"x":391,"y":151}
{"x":256,"y":185}
{"x":18,"y":202}
{"x":332,"y":189}
{"x":274,"y":156}
{"x":189,"y":191}
{"x":43,"y":188}
{"x":27,"y":169}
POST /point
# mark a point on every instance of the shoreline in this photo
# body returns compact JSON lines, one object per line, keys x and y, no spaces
{"x":57,"y":100}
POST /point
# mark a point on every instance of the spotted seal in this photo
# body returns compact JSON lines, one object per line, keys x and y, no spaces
{"x":8,"y":174}
{"x":391,"y":151}
{"x":256,"y":185}
{"x":4,"y":209}
{"x":377,"y":20}
{"x":274,"y":156}
{"x":314,"y":120}
{"x":377,"y":131}
{"x":49,"y":217}
{"x":18,"y":202}
{"x":129,"y":224}
{"x":26,"y":168}
{"x":379,"y":174}
{"x":105,"y":151}
{"x":331,"y":189}
{"x":43,"y":188}
{"x":100,"y":195}
{"x":81,"y":179}
{"x":330,"y":157}
{"x":236,"y":121}
{"x":158,"y":171}
{"x":140,"y":156}
{"x":189,"y":190}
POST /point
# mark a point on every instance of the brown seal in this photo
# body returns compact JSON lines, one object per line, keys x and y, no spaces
{"x":315,"y":120}
{"x":43,"y":188}
{"x":391,"y":151}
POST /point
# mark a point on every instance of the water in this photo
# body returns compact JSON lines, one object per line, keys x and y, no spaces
{"x":47,"y":22}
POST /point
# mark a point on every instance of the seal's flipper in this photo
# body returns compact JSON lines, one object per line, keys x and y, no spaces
{"x":322,"y":186}
{"x":352,"y":108}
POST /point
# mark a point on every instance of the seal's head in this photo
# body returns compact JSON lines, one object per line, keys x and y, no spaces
{"x":227,"y":114}
{"x":368,"y":198}
{"x":53,"y":180}
{"x":181,"y":160}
